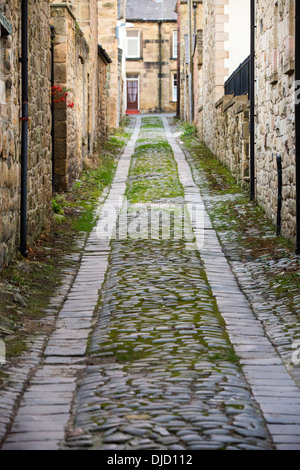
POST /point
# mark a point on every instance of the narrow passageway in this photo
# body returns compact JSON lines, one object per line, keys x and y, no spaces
{"x":156,"y":347}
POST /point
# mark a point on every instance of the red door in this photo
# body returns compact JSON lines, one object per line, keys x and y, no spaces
{"x":132,"y":95}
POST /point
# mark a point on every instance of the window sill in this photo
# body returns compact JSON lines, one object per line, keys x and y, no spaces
{"x":134,"y":59}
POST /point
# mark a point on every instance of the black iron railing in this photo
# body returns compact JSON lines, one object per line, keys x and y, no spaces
{"x":239,"y":82}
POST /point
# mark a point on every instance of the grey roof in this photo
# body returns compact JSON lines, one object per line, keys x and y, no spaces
{"x":150,"y":10}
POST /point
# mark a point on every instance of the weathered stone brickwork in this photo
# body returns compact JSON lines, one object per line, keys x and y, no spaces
{"x":107,"y":17}
{"x":214,"y":70}
{"x":196,"y":26}
{"x":275,"y":108}
{"x":70,"y":126}
{"x":39,"y":144}
{"x":223,"y":122}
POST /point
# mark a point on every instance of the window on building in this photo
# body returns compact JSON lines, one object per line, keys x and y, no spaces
{"x":133,"y":45}
{"x":174,"y":86}
{"x":2,"y":83}
{"x":4,"y":63}
{"x":175,"y":44}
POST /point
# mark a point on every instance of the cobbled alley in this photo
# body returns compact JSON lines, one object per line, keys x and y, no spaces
{"x":156,"y":347}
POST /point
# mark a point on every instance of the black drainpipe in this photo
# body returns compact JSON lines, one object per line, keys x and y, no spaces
{"x":160,"y":68}
{"x":24,"y":133}
{"x":297,"y":126}
{"x":178,"y":61}
{"x":52,"y":107}
{"x":252,"y":103}
{"x":279,"y":198}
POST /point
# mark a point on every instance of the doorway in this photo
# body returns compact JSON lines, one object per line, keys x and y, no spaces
{"x":132,"y":95}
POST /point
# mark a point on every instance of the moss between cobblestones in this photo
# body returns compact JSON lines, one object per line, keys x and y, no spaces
{"x":155,"y":166}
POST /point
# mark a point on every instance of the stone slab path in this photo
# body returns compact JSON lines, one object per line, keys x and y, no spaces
{"x":170,"y":356}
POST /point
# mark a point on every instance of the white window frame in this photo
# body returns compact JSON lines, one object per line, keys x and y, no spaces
{"x":138,"y":39}
{"x":175,"y":44}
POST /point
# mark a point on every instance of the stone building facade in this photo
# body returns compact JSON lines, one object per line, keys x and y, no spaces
{"x":151,"y":56}
{"x":275,"y":109}
{"x":39,"y":143}
{"x":223,"y":120}
{"x":72,"y":60}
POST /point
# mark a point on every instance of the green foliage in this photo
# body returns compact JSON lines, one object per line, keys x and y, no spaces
{"x":189,"y":130}
{"x":56,"y":207}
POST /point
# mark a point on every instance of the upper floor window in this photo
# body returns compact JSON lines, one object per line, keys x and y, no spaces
{"x":175,"y":44}
{"x":133,"y":50}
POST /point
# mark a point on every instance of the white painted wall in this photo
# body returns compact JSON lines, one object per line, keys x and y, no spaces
{"x":239,"y":33}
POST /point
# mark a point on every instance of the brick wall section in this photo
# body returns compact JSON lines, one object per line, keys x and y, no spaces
{"x":275,"y":129}
{"x":39,"y":146}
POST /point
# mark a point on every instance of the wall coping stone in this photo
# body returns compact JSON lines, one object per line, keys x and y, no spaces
{"x":63,"y":5}
{"x":289,"y":67}
{"x":224,"y":99}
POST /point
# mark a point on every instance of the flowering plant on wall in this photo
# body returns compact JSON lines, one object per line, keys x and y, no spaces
{"x":61,"y":95}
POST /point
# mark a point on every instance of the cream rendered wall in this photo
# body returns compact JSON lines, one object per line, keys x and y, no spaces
{"x":238,"y":28}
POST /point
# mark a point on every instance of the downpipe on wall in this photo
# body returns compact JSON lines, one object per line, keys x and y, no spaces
{"x":252,"y":102}
{"x":24,"y":132}
{"x":160,"y":67}
{"x":52,"y":107}
{"x":279,"y":195}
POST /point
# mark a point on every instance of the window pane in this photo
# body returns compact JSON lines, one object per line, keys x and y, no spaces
{"x":175,"y":44}
{"x":132,"y":48}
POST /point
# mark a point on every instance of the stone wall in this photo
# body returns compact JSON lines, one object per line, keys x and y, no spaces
{"x":275,"y":126}
{"x":147,"y":67}
{"x":103,"y":94}
{"x":86,"y":14}
{"x":70,"y":73}
{"x":39,"y":144}
{"x":231,"y":140}
{"x":223,"y":123}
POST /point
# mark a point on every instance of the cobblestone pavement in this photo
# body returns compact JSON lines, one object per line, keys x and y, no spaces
{"x":171,"y":355}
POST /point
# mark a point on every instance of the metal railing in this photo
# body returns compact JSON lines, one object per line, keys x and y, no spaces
{"x":239,"y":82}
